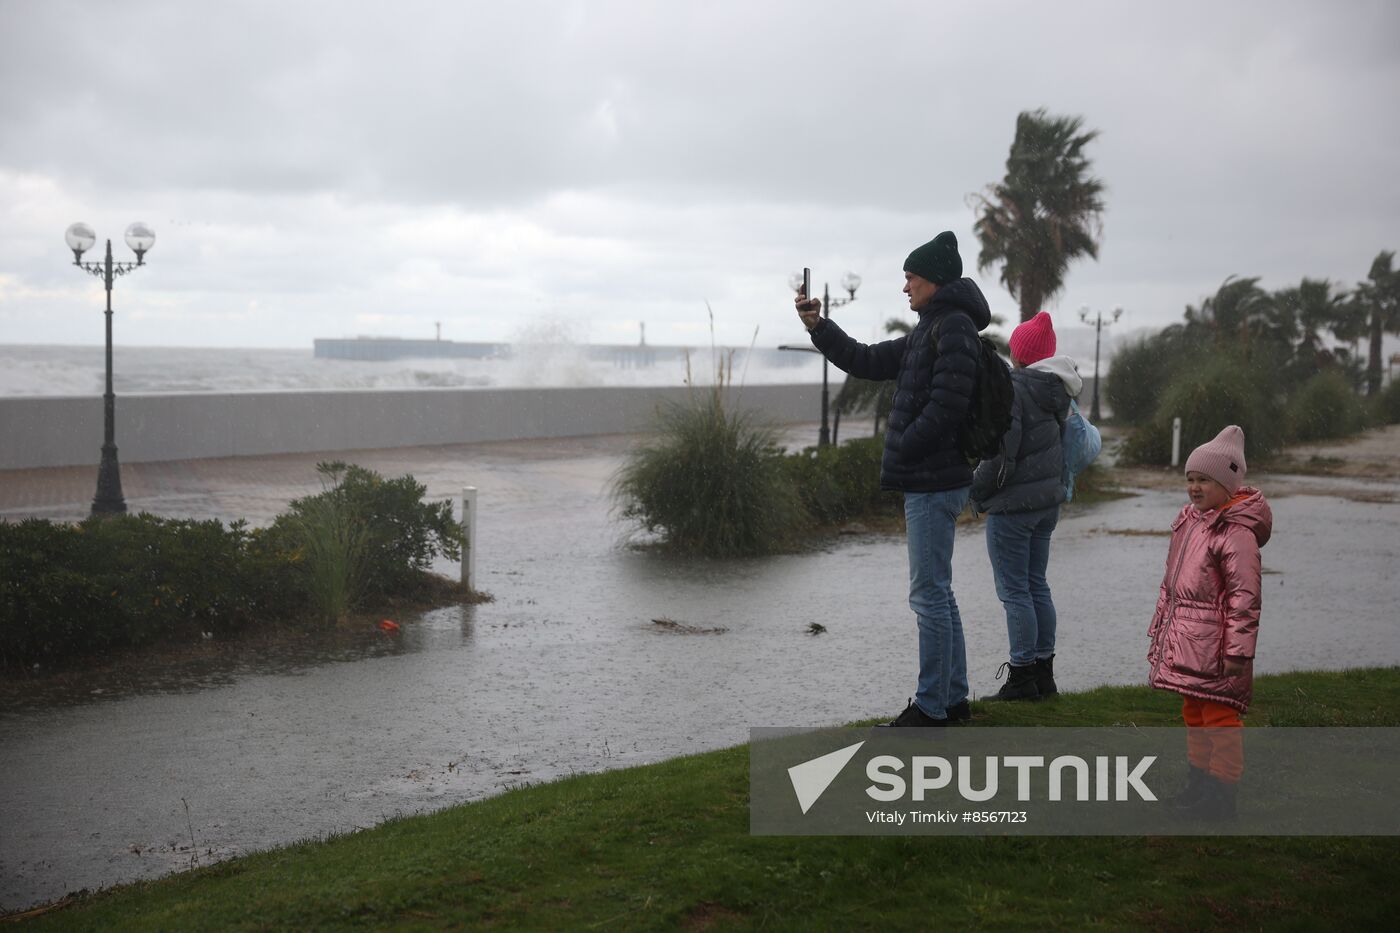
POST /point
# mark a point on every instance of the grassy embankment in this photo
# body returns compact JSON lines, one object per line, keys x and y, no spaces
{"x":667,"y":845}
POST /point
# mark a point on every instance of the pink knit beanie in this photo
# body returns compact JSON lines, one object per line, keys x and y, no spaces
{"x":1222,"y":459}
{"x":1034,"y":340}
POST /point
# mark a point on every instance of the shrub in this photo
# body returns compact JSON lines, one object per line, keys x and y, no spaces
{"x":128,"y":580}
{"x":1218,"y":390}
{"x":1385,"y":407}
{"x":366,"y":527}
{"x":1326,"y":406}
{"x":125,"y":581}
{"x":712,"y":482}
{"x":840,"y":482}
{"x":1134,"y":384}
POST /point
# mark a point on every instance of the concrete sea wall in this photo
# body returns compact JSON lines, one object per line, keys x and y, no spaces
{"x":47,"y":432}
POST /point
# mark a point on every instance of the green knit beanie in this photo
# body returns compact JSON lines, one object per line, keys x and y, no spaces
{"x":937,"y":260}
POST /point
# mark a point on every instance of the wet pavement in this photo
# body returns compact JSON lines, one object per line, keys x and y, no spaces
{"x":147,"y":768}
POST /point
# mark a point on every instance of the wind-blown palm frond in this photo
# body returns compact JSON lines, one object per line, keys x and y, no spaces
{"x":1313,"y":305}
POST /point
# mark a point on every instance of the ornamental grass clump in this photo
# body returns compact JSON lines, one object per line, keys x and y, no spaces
{"x":332,"y":551}
{"x":711,"y":483}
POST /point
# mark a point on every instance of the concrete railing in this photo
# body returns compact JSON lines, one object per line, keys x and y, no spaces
{"x":46,"y":432}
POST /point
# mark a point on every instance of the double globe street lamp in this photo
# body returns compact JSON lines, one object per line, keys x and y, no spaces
{"x":850,"y":282}
{"x":1099,"y":324}
{"x":81,"y":238}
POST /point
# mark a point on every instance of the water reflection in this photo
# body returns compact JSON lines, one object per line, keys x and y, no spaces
{"x":280,"y":652}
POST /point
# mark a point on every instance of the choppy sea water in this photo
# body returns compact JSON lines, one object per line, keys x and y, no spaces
{"x":71,"y":370}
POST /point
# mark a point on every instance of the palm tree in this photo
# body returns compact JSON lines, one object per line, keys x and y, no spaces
{"x":1241,"y":313}
{"x":1046,"y":212}
{"x":1379,"y":298}
{"x":1314,"y":306}
{"x":1351,"y":325}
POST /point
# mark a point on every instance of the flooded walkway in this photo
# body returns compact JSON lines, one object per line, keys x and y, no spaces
{"x":133,"y":773}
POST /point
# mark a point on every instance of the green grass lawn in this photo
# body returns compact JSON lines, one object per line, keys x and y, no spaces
{"x":667,"y":846}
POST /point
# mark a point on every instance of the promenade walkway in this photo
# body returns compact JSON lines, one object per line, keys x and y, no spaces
{"x":258,"y":488}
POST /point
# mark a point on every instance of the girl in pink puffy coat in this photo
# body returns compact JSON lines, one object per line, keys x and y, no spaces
{"x":1207,"y":619}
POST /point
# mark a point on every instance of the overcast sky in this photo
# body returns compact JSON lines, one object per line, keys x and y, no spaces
{"x":332,"y":169}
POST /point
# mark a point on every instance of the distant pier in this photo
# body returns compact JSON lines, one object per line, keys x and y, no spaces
{"x":393,"y":348}
{"x":624,"y":356}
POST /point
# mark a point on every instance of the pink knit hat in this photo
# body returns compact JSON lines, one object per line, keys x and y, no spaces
{"x":1034,"y":340}
{"x":1222,"y":459}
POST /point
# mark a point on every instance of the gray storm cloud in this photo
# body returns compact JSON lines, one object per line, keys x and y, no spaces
{"x":306,"y":163}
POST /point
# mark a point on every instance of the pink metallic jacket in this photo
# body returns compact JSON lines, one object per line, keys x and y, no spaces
{"x":1208,"y":608}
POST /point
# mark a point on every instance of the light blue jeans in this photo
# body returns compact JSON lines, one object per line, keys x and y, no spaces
{"x":931,"y":518}
{"x":1019,"y":547}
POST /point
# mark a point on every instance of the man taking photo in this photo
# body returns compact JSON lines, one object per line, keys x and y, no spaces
{"x":935,"y":369}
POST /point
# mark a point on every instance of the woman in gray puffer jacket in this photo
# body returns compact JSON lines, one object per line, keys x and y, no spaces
{"x":1021,"y":490}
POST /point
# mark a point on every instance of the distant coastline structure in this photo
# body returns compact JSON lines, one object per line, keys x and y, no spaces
{"x":626,"y":356}
{"x":398,"y":348}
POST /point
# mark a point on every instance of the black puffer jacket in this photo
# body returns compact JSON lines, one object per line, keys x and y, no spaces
{"x":932,"y":389}
{"x":1028,"y":473}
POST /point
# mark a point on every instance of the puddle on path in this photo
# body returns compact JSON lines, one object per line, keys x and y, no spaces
{"x":566,"y":672}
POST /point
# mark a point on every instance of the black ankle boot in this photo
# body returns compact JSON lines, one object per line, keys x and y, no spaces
{"x":1191,"y":793}
{"x":1020,"y":683}
{"x":1216,"y":803}
{"x":1045,"y":676}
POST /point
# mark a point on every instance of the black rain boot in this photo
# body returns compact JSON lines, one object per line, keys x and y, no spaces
{"x":1216,"y":803}
{"x":1045,"y":676}
{"x":1191,"y":793}
{"x":1020,"y":683}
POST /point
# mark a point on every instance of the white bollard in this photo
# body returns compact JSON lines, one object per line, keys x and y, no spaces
{"x":469,"y":537}
{"x":1176,"y":441}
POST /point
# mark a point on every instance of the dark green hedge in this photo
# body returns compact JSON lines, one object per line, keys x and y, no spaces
{"x":129,"y":580}
{"x":840,"y":483}
{"x":126,"y":580}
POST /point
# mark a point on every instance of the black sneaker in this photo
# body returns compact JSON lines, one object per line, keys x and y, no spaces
{"x":959,"y":712}
{"x":1045,"y":676}
{"x":913,"y":716}
{"x":1020,"y":683}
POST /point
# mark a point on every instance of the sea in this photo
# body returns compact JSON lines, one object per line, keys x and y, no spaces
{"x":33,"y":370}
{"x":60,"y":370}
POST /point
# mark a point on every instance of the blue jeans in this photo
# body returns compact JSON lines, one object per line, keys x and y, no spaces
{"x":1019,"y":546}
{"x":931,"y":518}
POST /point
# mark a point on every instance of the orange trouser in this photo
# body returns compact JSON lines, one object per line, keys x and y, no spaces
{"x":1214,"y":742}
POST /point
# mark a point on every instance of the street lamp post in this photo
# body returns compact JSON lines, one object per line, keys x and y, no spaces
{"x":850,"y":282}
{"x":1098,"y":328}
{"x":80,"y":238}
